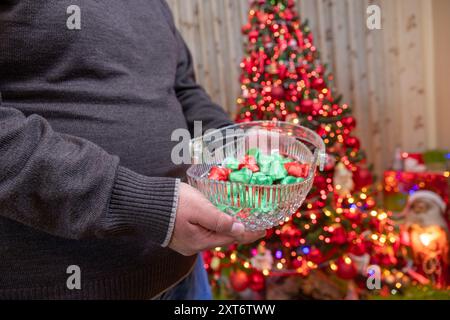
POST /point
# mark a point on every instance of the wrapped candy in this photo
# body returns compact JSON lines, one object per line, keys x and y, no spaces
{"x":261,"y":179}
{"x":297,"y":169}
{"x":264,"y":162}
{"x":277,"y":170}
{"x":219,"y":173}
{"x":291,"y":179}
{"x":249,"y":162}
{"x":243,"y":176}
{"x":276,"y":156}
{"x":259,"y":169}
{"x":231,"y":163}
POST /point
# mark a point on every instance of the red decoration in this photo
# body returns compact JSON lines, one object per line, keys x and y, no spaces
{"x":318,"y":83}
{"x":219,"y":173}
{"x":339,"y":236}
{"x":349,"y":122}
{"x":315,"y":256}
{"x":278,"y":92}
{"x":358,"y":248}
{"x":346,"y":268}
{"x":257,"y":281}
{"x":306,"y":106}
{"x":249,"y":162}
{"x":246,"y":28}
{"x":296,"y":169}
{"x":362,"y":177}
{"x":239,"y":280}
{"x":352,"y":142}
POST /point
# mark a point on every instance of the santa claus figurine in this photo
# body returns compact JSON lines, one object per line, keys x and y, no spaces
{"x":429,"y":233}
{"x":425,"y":208}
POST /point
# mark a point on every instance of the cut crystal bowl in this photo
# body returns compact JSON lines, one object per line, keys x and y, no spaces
{"x":258,"y":207}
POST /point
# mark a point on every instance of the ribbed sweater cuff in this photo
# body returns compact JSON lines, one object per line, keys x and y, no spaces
{"x":143,"y":205}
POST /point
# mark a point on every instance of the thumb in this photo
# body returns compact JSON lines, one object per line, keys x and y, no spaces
{"x":220,"y":222}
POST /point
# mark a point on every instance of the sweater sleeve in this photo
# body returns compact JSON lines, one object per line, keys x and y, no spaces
{"x":196,"y":103}
{"x":69,"y":187}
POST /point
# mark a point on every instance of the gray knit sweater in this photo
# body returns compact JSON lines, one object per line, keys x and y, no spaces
{"x":86,"y":118}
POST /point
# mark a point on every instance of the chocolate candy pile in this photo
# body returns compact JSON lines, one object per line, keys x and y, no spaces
{"x":257,"y":168}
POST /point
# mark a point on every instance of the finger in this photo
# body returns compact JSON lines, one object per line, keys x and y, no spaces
{"x":220,"y":222}
{"x":218,"y":240}
{"x":249,"y":237}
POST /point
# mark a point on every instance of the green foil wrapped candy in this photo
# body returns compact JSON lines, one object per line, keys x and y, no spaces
{"x":277,"y":170}
{"x":264,"y":162}
{"x":231,"y":163}
{"x":242,"y":176}
{"x":261,"y":179}
{"x":291,"y":179}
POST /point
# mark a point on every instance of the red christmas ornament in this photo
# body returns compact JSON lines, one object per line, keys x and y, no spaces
{"x":352,"y":142}
{"x":290,"y":3}
{"x":257,"y":281}
{"x":239,"y":280}
{"x":219,"y":173}
{"x":349,"y":122}
{"x":320,"y":182}
{"x":358,"y":248}
{"x":318,"y":84}
{"x":253,"y":35}
{"x":306,"y":106}
{"x":338,"y":236}
{"x":346,"y":268}
{"x":315,"y":255}
{"x":297,"y":169}
{"x":278,"y":92}
{"x":246,"y":28}
{"x":352,"y":215}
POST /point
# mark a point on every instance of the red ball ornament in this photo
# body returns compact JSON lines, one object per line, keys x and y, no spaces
{"x":349,"y":122}
{"x":320,"y":182}
{"x":278,"y":92}
{"x":352,"y":142}
{"x":315,"y":255}
{"x":338,"y":236}
{"x":257,"y":281}
{"x":290,"y":3}
{"x":306,"y":106}
{"x":318,"y":84}
{"x":358,"y":248}
{"x":239,"y":280}
{"x":346,"y":268}
{"x":246,"y":28}
{"x":253,"y":35}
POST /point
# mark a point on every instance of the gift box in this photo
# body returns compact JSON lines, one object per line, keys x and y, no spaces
{"x":398,"y":185}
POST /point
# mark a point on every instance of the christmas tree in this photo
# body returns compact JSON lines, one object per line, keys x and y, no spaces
{"x":338,"y":229}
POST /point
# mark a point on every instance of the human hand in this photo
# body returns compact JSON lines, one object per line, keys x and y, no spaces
{"x":199,"y":225}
